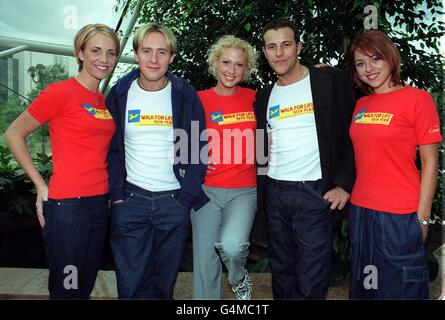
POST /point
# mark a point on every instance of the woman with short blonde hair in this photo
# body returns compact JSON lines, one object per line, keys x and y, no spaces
{"x":73,"y":208}
{"x":221,"y":228}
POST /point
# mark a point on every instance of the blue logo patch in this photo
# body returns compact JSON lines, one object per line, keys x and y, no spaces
{"x":89,"y":108}
{"x":216,"y":116}
{"x":359,"y":114}
{"x":134,"y":116}
{"x":274,"y":111}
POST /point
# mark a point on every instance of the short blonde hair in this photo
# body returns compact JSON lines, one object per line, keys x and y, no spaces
{"x":154,"y":27}
{"x":89,"y":31}
{"x":230,"y":41}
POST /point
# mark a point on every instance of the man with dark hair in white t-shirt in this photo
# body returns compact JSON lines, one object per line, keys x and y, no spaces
{"x":310,"y":170}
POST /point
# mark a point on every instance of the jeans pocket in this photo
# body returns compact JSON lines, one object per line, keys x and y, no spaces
{"x":415,"y":283}
{"x":128,"y":196}
{"x":402,"y":235}
{"x":316,"y":192}
{"x":174,"y":196}
{"x":66,"y":211}
{"x":419,"y":230}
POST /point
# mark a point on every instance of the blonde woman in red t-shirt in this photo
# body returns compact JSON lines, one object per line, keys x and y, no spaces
{"x":391,"y":202}
{"x":221,"y":228}
{"x":73,"y":208}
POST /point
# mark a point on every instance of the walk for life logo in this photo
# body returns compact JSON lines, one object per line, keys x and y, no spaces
{"x":97,"y":113}
{"x":277,"y":113}
{"x":135,"y":116}
{"x":364,"y":117}
{"x":231,"y":118}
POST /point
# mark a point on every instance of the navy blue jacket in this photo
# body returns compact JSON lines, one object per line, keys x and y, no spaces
{"x":186,"y":108}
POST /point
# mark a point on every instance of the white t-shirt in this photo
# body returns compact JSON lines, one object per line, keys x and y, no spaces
{"x":149,"y":148}
{"x":294,"y":154}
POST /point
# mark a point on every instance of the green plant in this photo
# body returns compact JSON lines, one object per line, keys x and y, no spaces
{"x":17,"y":192}
{"x":44,"y":164}
{"x":9,"y":110}
{"x":261,"y":266}
{"x":340,"y":258}
{"x":432,"y":264}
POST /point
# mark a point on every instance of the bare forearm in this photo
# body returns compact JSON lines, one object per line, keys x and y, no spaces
{"x":427,"y":189}
{"x":428,"y":184}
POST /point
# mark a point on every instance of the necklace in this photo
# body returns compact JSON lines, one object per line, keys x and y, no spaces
{"x":161,"y":87}
{"x":304,"y":74}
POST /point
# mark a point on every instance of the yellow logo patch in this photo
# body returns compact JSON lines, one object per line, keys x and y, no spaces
{"x":230,"y":118}
{"x":382,"y":118}
{"x":293,"y":111}
{"x":155,"y":120}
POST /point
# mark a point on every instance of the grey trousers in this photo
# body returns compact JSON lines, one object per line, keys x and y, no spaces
{"x":221,"y":231}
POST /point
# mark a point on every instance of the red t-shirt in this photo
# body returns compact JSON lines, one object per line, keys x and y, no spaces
{"x":385,"y":131}
{"x":80,"y":131}
{"x":231,"y":128}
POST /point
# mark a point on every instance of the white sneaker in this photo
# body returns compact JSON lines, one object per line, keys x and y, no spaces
{"x":243,"y":289}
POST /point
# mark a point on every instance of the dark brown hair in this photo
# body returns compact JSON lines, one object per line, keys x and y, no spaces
{"x":374,"y":43}
{"x":282,"y":23}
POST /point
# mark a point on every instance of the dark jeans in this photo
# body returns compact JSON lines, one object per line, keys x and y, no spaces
{"x":73,"y":237}
{"x":148,"y":237}
{"x":390,"y":247}
{"x":300,"y":239}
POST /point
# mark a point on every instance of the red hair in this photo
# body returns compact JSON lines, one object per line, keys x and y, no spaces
{"x":374,"y":43}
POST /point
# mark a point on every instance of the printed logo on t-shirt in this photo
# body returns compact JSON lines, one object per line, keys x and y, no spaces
{"x":135,"y":116}
{"x":364,"y":117}
{"x":274,"y":111}
{"x":231,"y":118}
{"x":277,"y":113}
{"x":434,"y":129}
{"x":97,"y":113}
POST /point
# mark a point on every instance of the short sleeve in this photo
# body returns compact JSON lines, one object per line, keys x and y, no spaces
{"x":47,"y":105}
{"x":426,"y":120}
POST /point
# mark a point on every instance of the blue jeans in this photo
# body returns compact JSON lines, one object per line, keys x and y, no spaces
{"x":148,"y":237}
{"x":392,"y":245}
{"x":221,"y":230}
{"x":299,"y":224}
{"x":73,"y":238}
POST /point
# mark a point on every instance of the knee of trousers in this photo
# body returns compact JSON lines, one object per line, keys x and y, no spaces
{"x":232,"y":250}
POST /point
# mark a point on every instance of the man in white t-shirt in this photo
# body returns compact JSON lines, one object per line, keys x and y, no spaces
{"x":305,"y":116}
{"x":151,"y":192}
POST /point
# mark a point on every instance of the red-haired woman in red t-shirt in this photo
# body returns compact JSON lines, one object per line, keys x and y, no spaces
{"x":73,"y":208}
{"x":221,"y":228}
{"x":390,"y":202}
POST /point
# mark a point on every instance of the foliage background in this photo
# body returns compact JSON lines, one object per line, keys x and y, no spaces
{"x":17,"y":192}
{"x":327,"y":28}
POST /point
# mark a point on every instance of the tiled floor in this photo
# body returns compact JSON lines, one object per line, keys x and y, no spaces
{"x":23,"y":283}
